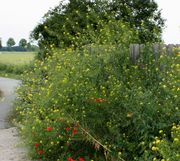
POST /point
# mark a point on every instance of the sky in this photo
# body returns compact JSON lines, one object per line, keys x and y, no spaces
{"x":19,"y":17}
{"x":170,"y":12}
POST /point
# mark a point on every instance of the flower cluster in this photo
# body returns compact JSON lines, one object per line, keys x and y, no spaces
{"x":74,"y":130}
{"x":166,"y":148}
{"x":79,"y":159}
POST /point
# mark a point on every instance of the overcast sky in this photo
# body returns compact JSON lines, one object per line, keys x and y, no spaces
{"x":171,"y":12}
{"x":19,"y":17}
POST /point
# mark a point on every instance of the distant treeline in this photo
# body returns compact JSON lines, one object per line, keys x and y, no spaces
{"x":19,"y":48}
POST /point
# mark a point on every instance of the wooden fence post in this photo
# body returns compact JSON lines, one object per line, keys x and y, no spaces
{"x":170,"y":49}
{"x":134,"y":52}
{"x":158,"y":49}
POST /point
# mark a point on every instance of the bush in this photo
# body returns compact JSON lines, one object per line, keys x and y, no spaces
{"x":166,"y":147}
{"x":14,"y":69}
{"x":92,"y":103}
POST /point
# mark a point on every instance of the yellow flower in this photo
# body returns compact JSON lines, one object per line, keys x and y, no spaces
{"x":176,"y":139}
{"x":174,"y":127}
{"x":154,"y":148}
{"x":129,"y":115}
{"x":164,"y":86}
{"x":30,"y":95}
{"x":65,"y":80}
{"x":158,"y":141}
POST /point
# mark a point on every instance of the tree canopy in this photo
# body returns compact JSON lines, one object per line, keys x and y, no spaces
{"x":11,"y":42}
{"x":68,"y":20}
{"x":23,"y":43}
{"x":0,"y":43}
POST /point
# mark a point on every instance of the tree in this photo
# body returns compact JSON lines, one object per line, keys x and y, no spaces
{"x":23,"y":43}
{"x":143,"y":16}
{"x":31,"y":47}
{"x":61,"y":24}
{"x":0,"y":43}
{"x":10,"y":42}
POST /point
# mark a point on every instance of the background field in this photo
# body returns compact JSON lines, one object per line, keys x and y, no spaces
{"x":13,"y":64}
{"x":16,"y":58}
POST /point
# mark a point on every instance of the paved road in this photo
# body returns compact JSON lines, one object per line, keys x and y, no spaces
{"x":11,"y":146}
{"x":7,"y":86}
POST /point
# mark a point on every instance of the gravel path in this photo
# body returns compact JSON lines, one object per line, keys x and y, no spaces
{"x":11,"y":147}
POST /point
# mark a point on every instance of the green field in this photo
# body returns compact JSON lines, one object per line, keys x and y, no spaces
{"x":13,"y":64}
{"x":16,"y":58}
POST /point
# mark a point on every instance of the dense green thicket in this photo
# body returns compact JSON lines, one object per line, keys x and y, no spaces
{"x":92,"y":103}
{"x":87,"y":101}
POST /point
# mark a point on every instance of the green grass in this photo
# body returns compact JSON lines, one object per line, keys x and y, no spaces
{"x":10,"y":75}
{"x":16,"y":58}
{"x":13,"y":64}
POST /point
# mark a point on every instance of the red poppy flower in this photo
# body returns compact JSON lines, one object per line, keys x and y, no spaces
{"x":99,"y":100}
{"x":49,"y":129}
{"x":36,"y":145}
{"x":67,"y":129}
{"x":74,"y":131}
{"x":81,"y":159}
{"x":70,"y":159}
{"x":40,"y":152}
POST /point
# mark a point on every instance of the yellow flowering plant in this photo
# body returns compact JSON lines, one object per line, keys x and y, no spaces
{"x":92,"y":103}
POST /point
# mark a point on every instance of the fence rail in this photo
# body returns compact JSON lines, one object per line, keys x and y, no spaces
{"x":136,"y":49}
